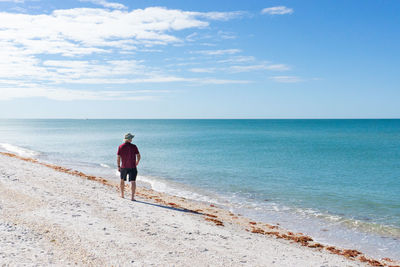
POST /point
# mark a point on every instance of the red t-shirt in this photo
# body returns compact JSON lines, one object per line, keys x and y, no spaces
{"x":128,"y":152}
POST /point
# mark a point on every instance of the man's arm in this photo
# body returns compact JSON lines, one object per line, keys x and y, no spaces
{"x":137,"y":159}
{"x":119,"y":162}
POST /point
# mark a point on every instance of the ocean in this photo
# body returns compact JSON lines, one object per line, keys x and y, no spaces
{"x":336,"y":180}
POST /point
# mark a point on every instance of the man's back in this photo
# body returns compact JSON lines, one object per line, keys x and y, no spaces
{"x":128,"y":153}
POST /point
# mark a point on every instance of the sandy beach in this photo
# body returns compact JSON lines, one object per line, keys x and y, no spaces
{"x":54,"y":216}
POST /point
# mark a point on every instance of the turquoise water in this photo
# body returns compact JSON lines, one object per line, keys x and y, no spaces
{"x":338,"y":180}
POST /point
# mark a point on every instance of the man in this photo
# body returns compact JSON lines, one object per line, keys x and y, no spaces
{"x":129,"y":154}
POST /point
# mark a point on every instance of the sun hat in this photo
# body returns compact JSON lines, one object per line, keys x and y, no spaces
{"x":128,"y":136}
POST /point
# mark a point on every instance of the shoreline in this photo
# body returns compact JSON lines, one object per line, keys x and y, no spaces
{"x":220,"y":218}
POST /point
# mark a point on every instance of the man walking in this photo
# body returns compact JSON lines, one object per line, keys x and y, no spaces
{"x":130,"y":156}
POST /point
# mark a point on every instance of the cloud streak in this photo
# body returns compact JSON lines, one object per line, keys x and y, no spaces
{"x":247,"y":68}
{"x":61,"y":94}
{"x":217,"y":52}
{"x":14,"y":1}
{"x":106,"y":4}
{"x":277,"y":10}
{"x":242,"y":68}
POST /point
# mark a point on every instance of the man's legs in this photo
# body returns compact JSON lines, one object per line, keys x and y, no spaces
{"x":133,"y":184}
{"x":124,"y":173}
{"x":122,"y":187}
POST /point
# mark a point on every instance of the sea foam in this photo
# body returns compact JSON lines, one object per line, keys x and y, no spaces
{"x":21,"y":151}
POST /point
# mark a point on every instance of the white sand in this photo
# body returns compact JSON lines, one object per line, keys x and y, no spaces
{"x":53,"y":218}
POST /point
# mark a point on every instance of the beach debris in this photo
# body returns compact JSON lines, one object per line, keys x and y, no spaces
{"x":334,"y":250}
{"x":276,"y":234}
{"x":303,"y":240}
{"x":217,"y":222}
{"x":351,"y":253}
{"x":316,"y":245}
{"x":257,"y":231}
{"x":370,"y":262}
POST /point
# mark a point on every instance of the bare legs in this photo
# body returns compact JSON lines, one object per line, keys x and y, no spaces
{"x":133,"y":185}
{"x":122,"y":187}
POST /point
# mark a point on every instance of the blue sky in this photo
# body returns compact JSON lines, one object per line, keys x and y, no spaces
{"x":199,"y":59}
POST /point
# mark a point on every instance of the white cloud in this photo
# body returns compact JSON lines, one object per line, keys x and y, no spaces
{"x":217,"y":52}
{"x":25,"y":40}
{"x":160,"y":79}
{"x":61,"y":94}
{"x":242,"y":68}
{"x":226,"y":35}
{"x":246,"y":68}
{"x":150,"y":79}
{"x":191,"y":37}
{"x":81,"y":43}
{"x":237,"y":59}
{"x":202,"y":70}
{"x":277,"y":10}
{"x":116,"y":72}
{"x":174,"y":65}
{"x":14,"y":89}
{"x":220,"y":81}
{"x":286,"y":79}
{"x":106,"y":4}
{"x":14,"y":66}
{"x":82,"y":31}
{"x":220,"y":15}
{"x":278,"y":67}
{"x":208,"y":44}
{"x":111,"y":68}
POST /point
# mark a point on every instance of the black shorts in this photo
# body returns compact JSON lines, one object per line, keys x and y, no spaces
{"x":132,"y":173}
